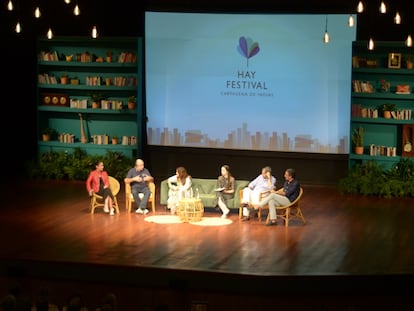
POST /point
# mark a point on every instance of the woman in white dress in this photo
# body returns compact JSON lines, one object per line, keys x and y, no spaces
{"x":180,"y":186}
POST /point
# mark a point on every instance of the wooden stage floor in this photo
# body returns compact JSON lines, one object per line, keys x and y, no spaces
{"x":350,"y":244}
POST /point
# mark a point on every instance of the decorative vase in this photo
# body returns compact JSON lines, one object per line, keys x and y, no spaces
{"x":131,"y":105}
{"x":359,"y":150}
{"x":45,"y":137}
{"x":409,"y":64}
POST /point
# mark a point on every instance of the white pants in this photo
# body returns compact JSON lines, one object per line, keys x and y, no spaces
{"x":223,"y":206}
{"x":249,"y":197}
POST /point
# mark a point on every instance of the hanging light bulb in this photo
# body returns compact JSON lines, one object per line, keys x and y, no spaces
{"x":397,"y":18}
{"x":409,"y":41}
{"x":326,"y":38}
{"x":383,"y":8}
{"x":67,"y":1}
{"x":360,"y":7}
{"x":49,"y":34}
{"x":76,"y":10}
{"x":94,"y":32}
{"x":10,"y":5}
{"x":37,"y":12}
{"x":351,"y":21}
{"x":18,"y":27}
{"x":371,"y":44}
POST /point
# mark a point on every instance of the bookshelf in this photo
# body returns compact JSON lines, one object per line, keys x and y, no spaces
{"x":83,"y":86}
{"x":379,"y":77}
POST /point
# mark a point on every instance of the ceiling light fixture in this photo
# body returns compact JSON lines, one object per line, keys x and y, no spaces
{"x":18,"y":27}
{"x":371,"y":44}
{"x":37,"y":12}
{"x":94,"y":32}
{"x":351,"y":21}
{"x":383,"y":8}
{"x":326,"y":38}
{"x":10,"y":5}
{"x":397,"y":18}
{"x":409,"y":41}
{"x":360,"y":7}
{"x":76,"y":10}
{"x":49,"y":34}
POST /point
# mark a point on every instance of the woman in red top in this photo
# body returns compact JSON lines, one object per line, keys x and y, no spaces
{"x":98,"y":182}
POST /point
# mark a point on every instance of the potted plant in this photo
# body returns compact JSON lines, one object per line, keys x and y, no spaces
{"x":386,"y":110}
{"x":64,"y":78}
{"x":358,"y":140}
{"x":132,"y":102}
{"x":384,"y":85}
{"x":74,"y":81}
{"x":48,"y":134}
{"x":114,"y":140}
{"x":409,"y":62}
{"x":109,"y":54}
{"x":96,"y":100}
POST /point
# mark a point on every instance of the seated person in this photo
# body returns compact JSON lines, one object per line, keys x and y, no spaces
{"x":281,"y":197}
{"x":225,"y":189}
{"x":139,"y":177}
{"x":98,"y":182}
{"x":251,"y":194}
{"x":180,"y":186}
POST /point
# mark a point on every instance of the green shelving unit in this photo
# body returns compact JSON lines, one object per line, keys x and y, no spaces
{"x":385,"y":65}
{"x":67,"y":107}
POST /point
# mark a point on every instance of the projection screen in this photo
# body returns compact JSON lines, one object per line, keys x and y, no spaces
{"x":248,"y":81}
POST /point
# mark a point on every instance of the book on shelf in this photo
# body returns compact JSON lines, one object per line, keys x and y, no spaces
{"x":46,"y":79}
{"x":403,"y":114}
{"x":93,"y":80}
{"x":362,"y":86}
{"x":357,"y":111}
{"x":78,"y":103}
{"x":127,"y":57}
{"x":48,"y":56}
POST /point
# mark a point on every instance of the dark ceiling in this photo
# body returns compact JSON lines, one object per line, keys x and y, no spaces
{"x":126,"y":18}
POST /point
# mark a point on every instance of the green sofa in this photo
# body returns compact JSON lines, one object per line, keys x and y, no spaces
{"x":206,"y":192}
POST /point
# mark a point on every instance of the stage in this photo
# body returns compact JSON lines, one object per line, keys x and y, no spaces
{"x":352,"y":252}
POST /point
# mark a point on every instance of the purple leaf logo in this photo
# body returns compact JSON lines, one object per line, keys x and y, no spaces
{"x":247,"y":48}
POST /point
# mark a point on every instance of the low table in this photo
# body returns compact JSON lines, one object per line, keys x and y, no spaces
{"x":190,"y":209}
